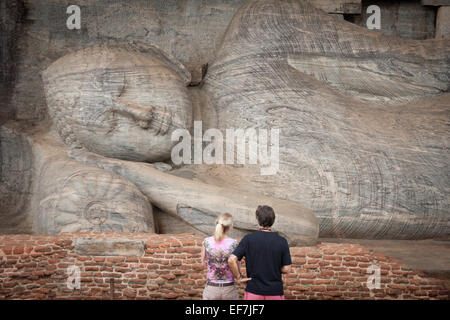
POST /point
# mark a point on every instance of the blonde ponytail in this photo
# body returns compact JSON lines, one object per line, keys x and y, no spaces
{"x":223,"y":224}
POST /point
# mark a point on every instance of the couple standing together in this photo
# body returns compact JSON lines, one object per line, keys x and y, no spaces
{"x":266,"y":255}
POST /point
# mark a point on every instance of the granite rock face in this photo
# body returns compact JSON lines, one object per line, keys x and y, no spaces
{"x":16,"y":163}
{"x":76,"y":198}
{"x":44,"y":191}
{"x":119,"y":101}
{"x":198,"y":203}
{"x":190,"y":30}
{"x":363,"y":122}
{"x":113,"y":107}
{"x":11,"y":16}
{"x":364,"y":118}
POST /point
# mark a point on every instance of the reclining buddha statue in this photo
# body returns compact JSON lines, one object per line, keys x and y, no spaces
{"x":362,"y":119}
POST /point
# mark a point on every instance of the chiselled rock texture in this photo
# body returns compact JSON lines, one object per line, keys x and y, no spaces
{"x":190,"y":30}
{"x":16,"y":161}
{"x":11,"y":15}
{"x":364,"y":118}
{"x":75,"y":198}
{"x":442,"y":25}
{"x":123,"y":101}
{"x":407,"y":19}
{"x":363,"y":122}
{"x":67,"y":196}
{"x":200,"y":203}
{"x":119,"y":101}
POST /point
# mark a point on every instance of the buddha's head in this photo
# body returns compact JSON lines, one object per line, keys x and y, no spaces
{"x":120,"y":101}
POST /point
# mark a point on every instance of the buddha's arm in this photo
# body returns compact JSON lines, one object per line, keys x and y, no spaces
{"x":174,"y":194}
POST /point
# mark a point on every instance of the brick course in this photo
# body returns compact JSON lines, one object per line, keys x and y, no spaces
{"x":35,"y":267}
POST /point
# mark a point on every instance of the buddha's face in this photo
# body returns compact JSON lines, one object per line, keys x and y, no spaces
{"x":130,"y":114}
{"x":125,"y":108}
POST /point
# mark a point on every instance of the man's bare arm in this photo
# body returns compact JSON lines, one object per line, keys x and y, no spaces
{"x":286,"y":269}
{"x":233,"y":262}
{"x":234,"y":267}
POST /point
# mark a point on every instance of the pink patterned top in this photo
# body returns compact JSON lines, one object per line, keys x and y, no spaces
{"x":217,"y":254}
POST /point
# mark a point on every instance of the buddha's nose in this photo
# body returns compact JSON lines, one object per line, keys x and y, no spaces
{"x":146,"y":115}
{"x":143,"y":114}
{"x":139,"y":111}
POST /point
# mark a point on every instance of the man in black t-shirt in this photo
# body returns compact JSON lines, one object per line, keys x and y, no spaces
{"x":266,"y":257}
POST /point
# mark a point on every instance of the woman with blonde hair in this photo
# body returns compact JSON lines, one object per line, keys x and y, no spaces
{"x":215,"y":252}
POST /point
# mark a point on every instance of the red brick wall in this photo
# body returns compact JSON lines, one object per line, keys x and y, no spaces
{"x":35,"y":267}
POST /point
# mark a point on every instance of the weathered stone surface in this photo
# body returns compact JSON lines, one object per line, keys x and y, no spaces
{"x":404,"y":19}
{"x":16,"y":161}
{"x":363,"y":120}
{"x":70,"y":197}
{"x":374,"y":78}
{"x":179,"y":196}
{"x":44,"y":191}
{"x":11,"y":16}
{"x":167,"y":223}
{"x":443,"y":22}
{"x":367,"y":169}
{"x":109,"y":247}
{"x":435,"y":2}
{"x":338,"y":6}
{"x":190,"y":30}
{"x":162,"y":166}
{"x":134,"y":96}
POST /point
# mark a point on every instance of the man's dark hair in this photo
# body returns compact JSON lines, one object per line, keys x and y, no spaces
{"x":265,"y":216}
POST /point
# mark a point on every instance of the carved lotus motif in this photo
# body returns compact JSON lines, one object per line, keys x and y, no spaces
{"x":91,"y":200}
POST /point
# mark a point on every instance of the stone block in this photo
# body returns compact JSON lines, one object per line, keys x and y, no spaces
{"x":109,"y":247}
{"x":443,"y":22}
{"x":435,"y":2}
{"x":338,"y":6}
